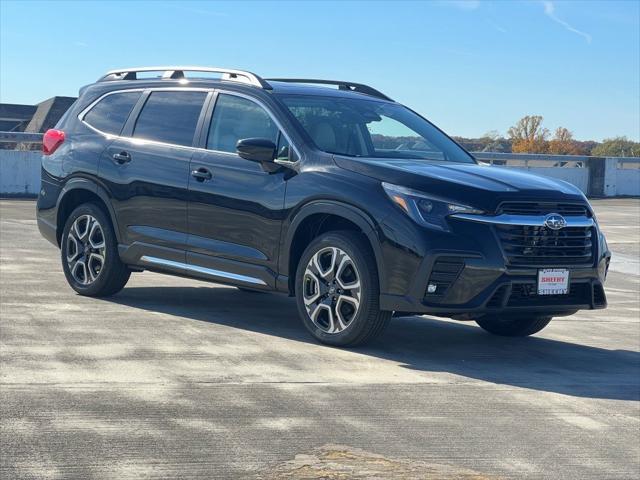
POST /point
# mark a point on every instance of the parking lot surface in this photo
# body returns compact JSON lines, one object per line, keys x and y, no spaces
{"x":179,"y":378}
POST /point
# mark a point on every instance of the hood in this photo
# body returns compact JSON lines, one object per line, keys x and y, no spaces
{"x":471,"y":184}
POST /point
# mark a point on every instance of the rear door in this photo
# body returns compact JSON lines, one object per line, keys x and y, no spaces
{"x":146,"y":170}
{"x":236,"y":209}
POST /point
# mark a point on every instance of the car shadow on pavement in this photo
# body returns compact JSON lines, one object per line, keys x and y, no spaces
{"x":419,"y":343}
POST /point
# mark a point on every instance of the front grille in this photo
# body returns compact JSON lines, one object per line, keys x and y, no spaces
{"x":544,"y":208}
{"x":526,"y":245}
{"x":526,"y":295}
{"x":445,"y":271}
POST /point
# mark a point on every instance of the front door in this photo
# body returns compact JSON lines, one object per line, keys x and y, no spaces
{"x":235,"y":207}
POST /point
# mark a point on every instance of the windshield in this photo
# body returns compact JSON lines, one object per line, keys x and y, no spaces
{"x":368,"y":128}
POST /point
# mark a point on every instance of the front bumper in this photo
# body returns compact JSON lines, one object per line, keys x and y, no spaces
{"x":474,"y":277}
{"x":511,"y":291}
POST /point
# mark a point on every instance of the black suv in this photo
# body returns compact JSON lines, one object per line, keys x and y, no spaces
{"x":354,"y":204}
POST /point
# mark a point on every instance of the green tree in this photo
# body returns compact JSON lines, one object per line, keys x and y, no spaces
{"x":617,"y":147}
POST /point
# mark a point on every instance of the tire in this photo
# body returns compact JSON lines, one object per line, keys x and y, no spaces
{"x":338,"y":295}
{"x":513,"y":326}
{"x":89,"y":253}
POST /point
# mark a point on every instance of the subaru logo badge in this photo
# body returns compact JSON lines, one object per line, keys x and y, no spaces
{"x":555,"y":221}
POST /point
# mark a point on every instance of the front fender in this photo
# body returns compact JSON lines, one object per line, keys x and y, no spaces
{"x":329,"y":207}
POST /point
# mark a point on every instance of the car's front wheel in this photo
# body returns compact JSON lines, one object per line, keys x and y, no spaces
{"x":89,"y":251}
{"x":337,"y":290}
{"x":513,"y":325}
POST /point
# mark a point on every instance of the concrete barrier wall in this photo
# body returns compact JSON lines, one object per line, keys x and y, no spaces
{"x":20,"y":172}
{"x":627,"y":182}
{"x":575,"y":176}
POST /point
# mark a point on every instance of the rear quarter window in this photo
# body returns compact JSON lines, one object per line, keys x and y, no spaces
{"x":110,"y":114}
{"x":170,"y":117}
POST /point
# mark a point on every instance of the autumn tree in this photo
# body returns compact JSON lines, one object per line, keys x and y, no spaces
{"x":528,"y":135}
{"x":563,"y":143}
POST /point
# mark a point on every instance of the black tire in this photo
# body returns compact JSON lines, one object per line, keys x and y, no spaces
{"x":368,"y":321}
{"x":113,"y":274}
{"x":513,"y":325}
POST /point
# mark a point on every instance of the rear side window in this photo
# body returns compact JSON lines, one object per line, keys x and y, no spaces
{"x":235,"y":118}
{"x":170,"y":117}
{"x":110,"y":114}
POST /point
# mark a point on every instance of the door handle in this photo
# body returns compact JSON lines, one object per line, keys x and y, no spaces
{"x":122,"y":158}
{"x":201,"y":174}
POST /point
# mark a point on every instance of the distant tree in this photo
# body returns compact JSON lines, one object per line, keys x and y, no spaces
{"x":492,"y":141}
{"x":585,"y":147}
{"x":528,"y":135}
{"x":563,"y":143}
{"x":617,"y":147}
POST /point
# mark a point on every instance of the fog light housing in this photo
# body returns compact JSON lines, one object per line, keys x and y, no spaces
{"x":432,"y":287}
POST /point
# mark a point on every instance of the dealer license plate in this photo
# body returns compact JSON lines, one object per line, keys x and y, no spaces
{"x":553,"y":281}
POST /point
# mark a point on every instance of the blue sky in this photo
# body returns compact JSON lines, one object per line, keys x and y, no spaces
{"x":468,"y":66}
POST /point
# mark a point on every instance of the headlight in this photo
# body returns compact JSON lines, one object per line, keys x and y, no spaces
{"x":425,"y":209}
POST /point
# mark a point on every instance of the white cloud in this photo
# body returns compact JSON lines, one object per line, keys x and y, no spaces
{"x":550,"y":11}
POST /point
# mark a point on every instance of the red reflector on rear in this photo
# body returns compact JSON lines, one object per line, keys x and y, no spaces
{"x":51,"y":140}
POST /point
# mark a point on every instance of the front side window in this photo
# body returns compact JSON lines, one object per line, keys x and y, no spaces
{"x":369,"y":128}
{"x":235,"y":118}
{"x":170,"y":117}
{"x":110,"y":114}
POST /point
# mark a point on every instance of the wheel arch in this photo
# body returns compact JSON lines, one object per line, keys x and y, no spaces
{"x":319,"y":217}
{"x":76,"y":192}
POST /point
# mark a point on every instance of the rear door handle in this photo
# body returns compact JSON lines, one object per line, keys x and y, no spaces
{"x":201,"y":174}
{"x":122,"y":158}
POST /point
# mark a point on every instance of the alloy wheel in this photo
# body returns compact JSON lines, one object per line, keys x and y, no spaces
{"x":85,"y":249}
{"x":331,"y":290}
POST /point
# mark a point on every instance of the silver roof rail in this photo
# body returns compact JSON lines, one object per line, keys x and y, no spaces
{"x":177,"y":72}
{"x":350,"y":86}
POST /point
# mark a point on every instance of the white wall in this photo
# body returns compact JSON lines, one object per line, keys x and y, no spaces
{"x":20,"y":172}
{"x":575,"y":176}
{"x":20,"y":175}
{"x":628,"y":181}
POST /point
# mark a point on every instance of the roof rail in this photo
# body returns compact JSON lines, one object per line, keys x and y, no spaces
{"x":178,"y":72}
{"x":351,"y":86}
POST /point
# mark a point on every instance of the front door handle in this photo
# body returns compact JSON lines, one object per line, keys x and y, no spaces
{"x":122,"y":158}
{"x":201,"y":174}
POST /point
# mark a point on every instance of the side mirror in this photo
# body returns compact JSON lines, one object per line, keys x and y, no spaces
{"x":256,"y":149}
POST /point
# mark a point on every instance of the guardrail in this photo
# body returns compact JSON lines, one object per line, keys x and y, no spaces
{"x":595,"y":176}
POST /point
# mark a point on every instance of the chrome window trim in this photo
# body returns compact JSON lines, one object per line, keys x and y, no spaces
{"x":522,"y":220}
{"x":207,"y":271}
{"x":86,"y":110}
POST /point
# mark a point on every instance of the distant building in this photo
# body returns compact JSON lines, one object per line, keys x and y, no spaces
{"x":33,"y":118}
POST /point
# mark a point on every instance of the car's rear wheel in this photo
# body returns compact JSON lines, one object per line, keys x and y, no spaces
{"x":513,"y":325}
{"x":337,"y":290}
{"x":89,"y":253}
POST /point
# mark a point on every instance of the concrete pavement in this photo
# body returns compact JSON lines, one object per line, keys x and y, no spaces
{"x":179,"y":378}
